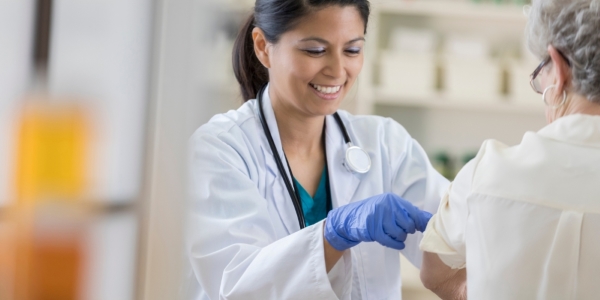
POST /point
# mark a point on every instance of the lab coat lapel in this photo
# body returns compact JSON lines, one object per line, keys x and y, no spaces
{"x":343,"y":183}
{"x":278,"y":193}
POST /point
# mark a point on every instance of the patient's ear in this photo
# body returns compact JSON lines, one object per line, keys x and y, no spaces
{"x":560,"y":69}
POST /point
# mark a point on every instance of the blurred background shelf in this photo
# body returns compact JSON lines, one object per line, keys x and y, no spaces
{"x":499,"y":105}
{"x":453,"y":73}
{"x":454,"y":9}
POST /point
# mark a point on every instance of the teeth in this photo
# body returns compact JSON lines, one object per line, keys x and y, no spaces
{"x":327,"y":90}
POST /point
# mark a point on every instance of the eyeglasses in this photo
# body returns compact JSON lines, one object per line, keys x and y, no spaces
{"x":536,"y":82}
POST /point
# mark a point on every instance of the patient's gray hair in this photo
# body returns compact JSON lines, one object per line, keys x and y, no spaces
{"x":572,"y":27}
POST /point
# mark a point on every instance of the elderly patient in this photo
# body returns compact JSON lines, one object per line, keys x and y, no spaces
{"x":523,"y":222}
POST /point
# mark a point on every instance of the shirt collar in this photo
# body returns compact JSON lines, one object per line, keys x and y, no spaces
{"x":574,"y":129}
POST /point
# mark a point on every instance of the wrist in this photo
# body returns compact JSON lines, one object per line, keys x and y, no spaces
{"x":334,"y":239}
{"x":332,"y":255}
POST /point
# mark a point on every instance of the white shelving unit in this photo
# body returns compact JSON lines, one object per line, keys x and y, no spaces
{"x":434,"y":119}
{"x":452,"y":9}
{"x":442,"y":15}
{"x":497,"y":104}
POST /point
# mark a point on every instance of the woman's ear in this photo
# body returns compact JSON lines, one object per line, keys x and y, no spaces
{"x":261,"y":47}
{"x":560,"y":69}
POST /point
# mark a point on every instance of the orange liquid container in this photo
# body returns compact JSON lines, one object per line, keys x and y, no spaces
{"x":51,"y":153}
{"x":48,"y":219}
{"x":49,"y":256}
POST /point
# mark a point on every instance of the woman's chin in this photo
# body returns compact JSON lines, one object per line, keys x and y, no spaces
{"x":328,"y":109}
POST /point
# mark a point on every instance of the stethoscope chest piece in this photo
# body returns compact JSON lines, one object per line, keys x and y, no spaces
{"x":357,"y":160}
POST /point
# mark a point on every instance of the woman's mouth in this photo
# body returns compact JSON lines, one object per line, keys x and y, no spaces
{"x":327,"y":92}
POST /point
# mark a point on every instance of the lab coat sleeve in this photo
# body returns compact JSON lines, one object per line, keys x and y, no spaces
{"x":232,"y":246}
{"x":414,"y":179}
{"x":445,"y":234}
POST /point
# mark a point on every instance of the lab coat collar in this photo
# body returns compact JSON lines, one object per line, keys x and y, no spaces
{"x":577,"y":129}
{"x":343,"y":183}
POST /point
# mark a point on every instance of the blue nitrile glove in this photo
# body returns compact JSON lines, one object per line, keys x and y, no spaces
{"x":386,"y":219}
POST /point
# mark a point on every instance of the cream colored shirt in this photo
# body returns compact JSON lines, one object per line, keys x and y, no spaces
{"x":525,"y":220}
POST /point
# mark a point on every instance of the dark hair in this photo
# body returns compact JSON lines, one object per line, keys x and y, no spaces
{"x":274,"y":18}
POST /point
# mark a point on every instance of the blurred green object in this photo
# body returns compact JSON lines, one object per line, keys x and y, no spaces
{"x":449,"y":167}
{"x":443,"y":163}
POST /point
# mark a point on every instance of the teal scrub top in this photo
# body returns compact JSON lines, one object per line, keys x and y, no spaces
{"x":315,"y":208}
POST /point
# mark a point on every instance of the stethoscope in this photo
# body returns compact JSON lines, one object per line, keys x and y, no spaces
{"x":356,"y":160}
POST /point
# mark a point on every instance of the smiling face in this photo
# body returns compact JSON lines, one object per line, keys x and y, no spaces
{"x":313,"y":66}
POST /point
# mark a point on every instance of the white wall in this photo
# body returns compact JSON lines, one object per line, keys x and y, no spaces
{"x":16,"y":75}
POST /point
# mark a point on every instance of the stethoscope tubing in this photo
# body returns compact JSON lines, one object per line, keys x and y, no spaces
{"x":338,"y":119}
{"x":286,"y":179}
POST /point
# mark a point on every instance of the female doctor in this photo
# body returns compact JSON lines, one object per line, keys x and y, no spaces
{"x":293,"y":199}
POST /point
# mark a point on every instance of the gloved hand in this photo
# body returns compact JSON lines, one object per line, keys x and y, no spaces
{"x":386,"y":219}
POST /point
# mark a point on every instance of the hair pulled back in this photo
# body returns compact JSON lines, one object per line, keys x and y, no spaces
{"x":274,"y":18}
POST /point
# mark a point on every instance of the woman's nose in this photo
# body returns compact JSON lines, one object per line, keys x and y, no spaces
{"x":335,"y":67}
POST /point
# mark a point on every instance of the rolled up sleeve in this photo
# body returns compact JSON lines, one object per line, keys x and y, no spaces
{"x":445,"y":234}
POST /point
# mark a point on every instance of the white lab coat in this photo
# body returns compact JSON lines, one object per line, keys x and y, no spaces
{"x":525,"y":220}
{"x":245,"y":241}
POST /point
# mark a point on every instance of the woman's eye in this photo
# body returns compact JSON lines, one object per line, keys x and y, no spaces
{"x":315,"y":51}
{"x":353,"y":51}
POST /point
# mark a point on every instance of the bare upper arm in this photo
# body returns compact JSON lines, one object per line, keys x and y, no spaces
{"x":444,"y":281}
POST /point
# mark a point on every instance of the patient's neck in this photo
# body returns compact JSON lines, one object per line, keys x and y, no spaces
{"x":581,"y":105}
{"x":576,"y":104}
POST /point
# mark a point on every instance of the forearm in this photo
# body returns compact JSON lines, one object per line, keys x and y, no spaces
{"x":332,"y":256}
{"x":447,"y":283}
